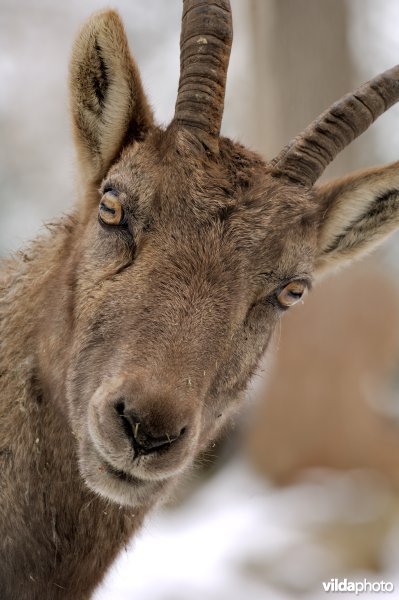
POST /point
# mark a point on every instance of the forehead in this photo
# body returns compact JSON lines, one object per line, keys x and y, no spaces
{"x":234,"y":195}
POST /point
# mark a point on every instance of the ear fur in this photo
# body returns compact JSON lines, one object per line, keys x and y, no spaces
{"x":357,"y":213}
{"x":108,"y":104}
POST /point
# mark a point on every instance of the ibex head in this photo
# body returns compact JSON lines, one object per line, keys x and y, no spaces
{"x":190,"y":248}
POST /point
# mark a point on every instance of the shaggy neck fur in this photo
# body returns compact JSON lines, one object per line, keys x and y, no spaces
{"x":52,"y":525}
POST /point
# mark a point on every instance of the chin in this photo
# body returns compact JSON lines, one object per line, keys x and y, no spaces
{"x":118,"y":486}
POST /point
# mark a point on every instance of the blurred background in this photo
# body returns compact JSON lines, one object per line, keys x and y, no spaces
{"x":305,"y":487}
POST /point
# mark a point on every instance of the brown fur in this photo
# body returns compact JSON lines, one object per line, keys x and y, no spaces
{"x":169,"y":317}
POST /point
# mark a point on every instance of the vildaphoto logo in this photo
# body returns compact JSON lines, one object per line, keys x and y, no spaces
{"x":357,"y":587}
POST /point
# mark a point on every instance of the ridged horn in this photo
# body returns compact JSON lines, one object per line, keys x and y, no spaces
{"x":205,"y":43}
{"x":305,"y":158}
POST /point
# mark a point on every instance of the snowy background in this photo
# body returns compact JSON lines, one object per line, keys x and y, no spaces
{"x":238,"y":537}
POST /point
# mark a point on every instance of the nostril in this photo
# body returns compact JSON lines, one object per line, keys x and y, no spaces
{"x":141,"y":439}
{"x":130,"y":423}
{"x":120,"y":407}
{"x":152,"y":444}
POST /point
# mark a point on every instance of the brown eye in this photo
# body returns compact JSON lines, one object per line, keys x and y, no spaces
{"x":111,"y":211}
{"x":291,"y":293}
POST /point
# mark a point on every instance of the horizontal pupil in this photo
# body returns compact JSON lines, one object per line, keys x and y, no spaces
{"x":108,"y":209}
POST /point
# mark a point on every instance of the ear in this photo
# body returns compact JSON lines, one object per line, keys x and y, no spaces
{"x":356,"y":213}
{"x":108,"y":104}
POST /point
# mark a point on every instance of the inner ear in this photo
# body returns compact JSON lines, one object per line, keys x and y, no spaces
{"x":357,"y":212}
{"x":108,"y":104}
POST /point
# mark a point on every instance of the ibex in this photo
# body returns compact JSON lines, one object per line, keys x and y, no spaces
{"x":130,"y":332}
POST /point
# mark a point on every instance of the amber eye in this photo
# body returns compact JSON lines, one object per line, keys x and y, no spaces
{"x":111,"y":211}
{"x":291,"y":293}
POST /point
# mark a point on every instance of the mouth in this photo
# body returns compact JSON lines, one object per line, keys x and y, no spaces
{"x":107,"y":468}
{"x":116,"y":484}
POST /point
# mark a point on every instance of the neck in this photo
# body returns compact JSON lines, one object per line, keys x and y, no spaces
{"x":57,"y":538}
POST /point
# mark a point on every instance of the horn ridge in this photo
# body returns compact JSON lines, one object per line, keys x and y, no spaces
{"x":205,"y":43}
{"x":306,"y":157}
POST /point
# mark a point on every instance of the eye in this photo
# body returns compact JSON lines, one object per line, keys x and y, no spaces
{"x":291,"y":293}
{"x":110,"y":211}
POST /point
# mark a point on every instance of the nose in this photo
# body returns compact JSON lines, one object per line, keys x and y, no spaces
{"x":144,"y":436}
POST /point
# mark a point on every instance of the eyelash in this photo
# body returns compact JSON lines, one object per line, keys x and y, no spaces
{"x":108,"y":188}
{"x":272,"y":298}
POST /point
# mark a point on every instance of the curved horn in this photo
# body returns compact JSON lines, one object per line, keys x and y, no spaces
{"x":205,"y":43}
{"x":307,"y":156}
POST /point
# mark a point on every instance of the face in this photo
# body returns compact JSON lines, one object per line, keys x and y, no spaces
{"x":192,"y":250}
{"x":185,"y":267}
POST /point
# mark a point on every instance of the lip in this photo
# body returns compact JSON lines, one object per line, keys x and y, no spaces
{"x":118,"y":474}
{"x":113,"y":483}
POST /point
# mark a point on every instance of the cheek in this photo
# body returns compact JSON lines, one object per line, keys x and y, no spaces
{"x":227,"y":392}
{"x":79,"y":388}
{"x":248,"y":346}
{"x":103,"y":255}
{"x":228,"y":388}
{"x":92,"y":356}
